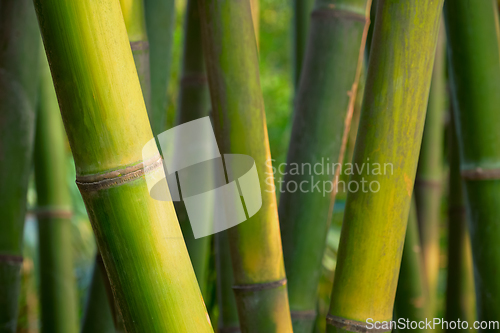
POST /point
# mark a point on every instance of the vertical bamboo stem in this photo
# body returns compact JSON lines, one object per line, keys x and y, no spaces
{"x":322,"y":117}
{"x":160,"y":20}
{"x":460,"y":302}
{"x":107,"y":125}
{"x":390,"y":132}
{"x":57,"y":285}
{"x":474,"y":57}
{"x":194,"y":103}
{"x":228,"y":315}
{"x":428,"y":183}
{"x":411,"y":301}
{"x":19,"y":46}
{"x":233,"y":72}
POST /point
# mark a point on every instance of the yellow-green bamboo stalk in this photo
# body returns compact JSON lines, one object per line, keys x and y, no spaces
{"x":390,"y":132}
{"x":233,"y":72}
{"x":19,"y":61}
{"x":59,"y":306}
{"x":474,"y":61}
{"x":133,"y":15}
{"x":322,"y":116}
{"x":428,"y":183}
{"x":160,"y":20}
{"x":107,"y":126}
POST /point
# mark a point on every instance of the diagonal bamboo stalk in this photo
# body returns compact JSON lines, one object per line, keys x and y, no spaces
{"x":57,"y":284}
{"x":19,"y":47}
{"x":428,"y":183}
{"x":474,"y":59}
{"x":412,"y":294}
{"x":460,"y":297}
{"x":233,"y":72}
{"x":322,"y":116}
{"x":107,"y":125}
{"x":194,"y":103}
{"x":390,"y":131}
{"x":133,"y":15}
{"x":160,"y":20}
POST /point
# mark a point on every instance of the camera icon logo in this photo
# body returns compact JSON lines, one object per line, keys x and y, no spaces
{"x":219,"y":191}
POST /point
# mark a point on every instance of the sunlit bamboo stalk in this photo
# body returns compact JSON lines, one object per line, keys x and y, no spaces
{"x":389,"y":136}
{"x":232,"y":65}
{"x":106,"y":121}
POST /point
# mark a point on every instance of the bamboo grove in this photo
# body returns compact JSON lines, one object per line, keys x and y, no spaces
{"x":368,"y":194}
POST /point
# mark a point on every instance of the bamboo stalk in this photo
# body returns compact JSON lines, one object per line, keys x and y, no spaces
{"x":19,"y":41}
{"x":428,"y":183}
{"x":133,"y":15}
{"x":160,"y":20}
{"x":411,"y":301}
{"x":460,"y":302}
{"x":98,"y":316}
{"x":135,"y":21}
{"x":390,"y":131}
{"x":301,"y":18}
{"x":107,"y":125}
{"x":474,"y":59}
{"x":233,"y":72}
{"x":322,"y":117}
{"x":228,"y":315}
{"x":194,"y":103}
{"x":59,"y":306}
{"x":228,"y":312}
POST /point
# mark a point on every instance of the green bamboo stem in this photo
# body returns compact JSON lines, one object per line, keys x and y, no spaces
{"x":194,"y":103}
{"x":233,"y":72}
{"x":135,"y":21}
{"x":19,"y":45}
{"x":228,"y":312}
{"x":133,"y":15}
{"x":460,"y":302}
{"x":412,"y":295}
{"x":390,"y":131}
{"x":58,"y":297}
{"x":473,"y":44}
{"x":428,"y":183}
{"x":106,"y":122}
{"x":98,"y":316}
{"x":301,"y":19}
{"x":322,"y":116}
{"x":160,"y":20}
